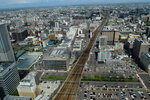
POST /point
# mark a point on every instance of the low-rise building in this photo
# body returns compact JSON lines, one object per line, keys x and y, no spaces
{"x":103,"y":56}
{"x":27,"y":60}
{"x":9,"y":97}
{"x":57,"y":59}
{"x":77,"y":46}
{"x":48,"y":90}
{"x":28,"y":86}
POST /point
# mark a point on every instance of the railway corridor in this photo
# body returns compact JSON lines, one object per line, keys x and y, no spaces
{"x":70,"y":86}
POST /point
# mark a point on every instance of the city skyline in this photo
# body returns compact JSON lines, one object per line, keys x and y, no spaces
{"x":75,"y":50}
{"x":42,"y":3}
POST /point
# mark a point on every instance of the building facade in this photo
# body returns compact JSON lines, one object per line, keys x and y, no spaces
{"x":102,"y":40}
{"x":145,"y":60}
{"x":6,"y":52}
{"x":57,"y":59}
{"x":20,"y":35}
{"x":9,"y":97}
{"x":112,"y":36}
{"x":28,"y":86}
{"x":103,"y":56}
{"x":140,"y":46}
{"x":2,"y":93}
{"x":9,"y":77}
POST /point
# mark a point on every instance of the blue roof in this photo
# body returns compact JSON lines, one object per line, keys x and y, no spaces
{"x":51,"y":42}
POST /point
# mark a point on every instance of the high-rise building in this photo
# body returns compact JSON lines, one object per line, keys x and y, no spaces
{"x":148,"y":31}
{"x":20,"y":34}
{"x":6,"y":52}
{"x":112,"y":36}
{"x":2,"y":93}
{"x":140,"y":46}
{"x":102,"y":40}
{"x":9,"y":77}
{"x":57,"y":24}
{"x":145,"y":61}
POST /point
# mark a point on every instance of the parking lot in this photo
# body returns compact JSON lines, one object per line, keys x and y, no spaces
{"x":112,"y":91}
{"x":123,"y":67}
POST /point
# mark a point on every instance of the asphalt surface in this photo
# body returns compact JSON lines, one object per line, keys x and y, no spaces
{"x":146,"y":79}
{"x":112,"y":91}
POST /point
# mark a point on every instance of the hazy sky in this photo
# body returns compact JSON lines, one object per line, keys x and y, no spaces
{"x":11,"y":3}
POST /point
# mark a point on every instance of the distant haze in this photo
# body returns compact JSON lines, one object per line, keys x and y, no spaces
{"x":36,"y":3}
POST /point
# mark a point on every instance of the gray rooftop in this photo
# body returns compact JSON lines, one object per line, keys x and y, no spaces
{"x":57,"y":54}
{"x":9,"y":97}
{"x":28,"y":60}
{"x":4,"y":65}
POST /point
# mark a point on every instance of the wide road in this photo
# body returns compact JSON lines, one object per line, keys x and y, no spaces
{"x":70,"y":87}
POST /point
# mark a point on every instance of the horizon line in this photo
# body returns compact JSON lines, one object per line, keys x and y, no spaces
{"x":46,"y":6}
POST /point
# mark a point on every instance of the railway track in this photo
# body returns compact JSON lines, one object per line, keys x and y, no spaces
{"x":68,"y":90}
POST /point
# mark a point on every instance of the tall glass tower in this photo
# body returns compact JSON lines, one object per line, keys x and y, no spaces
{"x":6,"y":52}
{"x":9,"y":77}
